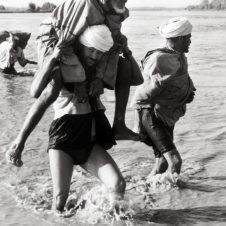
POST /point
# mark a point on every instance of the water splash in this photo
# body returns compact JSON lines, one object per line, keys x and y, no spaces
{"x":151,"y":184}
{"x":88,"y":206}
{"x":97,"y":205}
{"x":90,"y":203}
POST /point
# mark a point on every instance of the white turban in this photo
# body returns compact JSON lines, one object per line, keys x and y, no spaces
{"x":98,"y":37}
{"x":175,"y":27}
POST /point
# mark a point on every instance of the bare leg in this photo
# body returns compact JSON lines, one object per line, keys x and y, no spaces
{"x":170,"y":163}
{"x":174,"y":161}
{"x":101,"y":165}
{"x":48,"y":96}
{"x":174,"y":166}
{"x":61,"y":166}
{"x":160,"y":166}
{"x":122,"y":90}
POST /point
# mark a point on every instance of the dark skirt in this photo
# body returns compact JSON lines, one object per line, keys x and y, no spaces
{"x":72,"y":134}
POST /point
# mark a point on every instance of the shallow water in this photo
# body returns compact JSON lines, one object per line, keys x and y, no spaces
{"x":200,"y":136}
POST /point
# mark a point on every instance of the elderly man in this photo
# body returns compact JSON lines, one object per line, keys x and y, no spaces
{"x":80,"y":133}
{"x":162,"y":99}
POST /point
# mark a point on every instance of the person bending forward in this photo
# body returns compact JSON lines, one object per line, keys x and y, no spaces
{"x":162,"y":99}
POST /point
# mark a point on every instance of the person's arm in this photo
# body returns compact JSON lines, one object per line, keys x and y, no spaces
{"x":43,"y":75}
{"x":114,"y":23}
{"x":31,"y":62}
{"x":24,"y":62}
{"x":191,"y":95}
{"x":120,"y":41}
{"x":20,"y":57}
{"x":96,"y":87}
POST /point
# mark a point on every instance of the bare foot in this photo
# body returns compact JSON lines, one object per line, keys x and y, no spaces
{"x":124,"y":133}
{"x":13,"y":155}
{"x":180,"y":183}
{"x":176,"y":179}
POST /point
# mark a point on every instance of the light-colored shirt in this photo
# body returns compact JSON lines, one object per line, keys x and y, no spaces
{"x":166,"y":86}
{"x":9,"y":56}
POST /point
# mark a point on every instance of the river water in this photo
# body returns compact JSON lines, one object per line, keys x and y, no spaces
{"x":25,"y":194}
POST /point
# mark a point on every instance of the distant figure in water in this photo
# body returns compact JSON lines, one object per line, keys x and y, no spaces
{"x":163,"y":97}
{"x":80,"y":133}
{"x":10,"y":53}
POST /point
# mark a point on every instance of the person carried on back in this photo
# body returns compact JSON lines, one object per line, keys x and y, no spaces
{"x":57,"y":58}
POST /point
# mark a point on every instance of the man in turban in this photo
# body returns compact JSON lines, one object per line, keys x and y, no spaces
{"x":161,"y":100}
{"x":80,"y":133}
{"x":65,"y":25}
{"x":57,"y":59}
{"x":94,"y":38}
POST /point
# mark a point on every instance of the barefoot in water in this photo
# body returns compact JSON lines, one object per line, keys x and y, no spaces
{"x":175,"y":178}
{"x":13,"y":155}
{"x":180,"y":183}
{"x":124,"y":133}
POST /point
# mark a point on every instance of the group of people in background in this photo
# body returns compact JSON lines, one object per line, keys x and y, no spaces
{"x":81,"y":51}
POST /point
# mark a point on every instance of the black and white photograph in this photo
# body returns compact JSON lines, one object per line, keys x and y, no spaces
{"x":112,"y":112}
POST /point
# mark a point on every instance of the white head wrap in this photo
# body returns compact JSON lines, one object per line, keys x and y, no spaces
{"x":98,"y":37}
{"x":175,"y":27}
